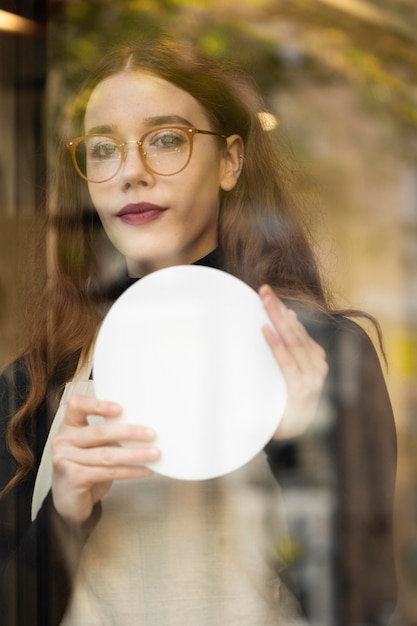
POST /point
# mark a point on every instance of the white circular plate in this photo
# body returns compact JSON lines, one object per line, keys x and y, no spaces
{"x":182,"y":350}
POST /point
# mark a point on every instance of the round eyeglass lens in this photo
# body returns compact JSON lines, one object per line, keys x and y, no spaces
{"x":98,"y":157}
{"x":166,"y":150}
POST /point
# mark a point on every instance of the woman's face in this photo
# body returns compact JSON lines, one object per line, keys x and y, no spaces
{"x":156,"y":221}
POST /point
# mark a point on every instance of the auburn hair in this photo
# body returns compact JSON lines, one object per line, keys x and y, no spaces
{"x":260,"y":233}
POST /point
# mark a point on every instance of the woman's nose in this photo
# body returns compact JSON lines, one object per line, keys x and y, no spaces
{"x":133,"y":170}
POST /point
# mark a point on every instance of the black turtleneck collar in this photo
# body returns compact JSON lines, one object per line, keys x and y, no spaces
{"x":214,"y":259}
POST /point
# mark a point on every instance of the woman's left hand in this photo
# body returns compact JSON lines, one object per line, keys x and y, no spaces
{"x":302,"y":361}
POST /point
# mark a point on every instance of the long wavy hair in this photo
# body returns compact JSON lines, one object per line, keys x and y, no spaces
{"x":260,"y":233}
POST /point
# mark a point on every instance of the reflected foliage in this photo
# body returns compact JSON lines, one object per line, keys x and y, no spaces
{"x":369,"y":44}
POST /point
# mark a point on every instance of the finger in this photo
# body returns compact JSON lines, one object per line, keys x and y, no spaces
{"x":310,"y":360}
{"x":107,"y":433}
{"x":295,"y":377}
{"x":303,"y":361}
{"x":85,"y":477}
{"x":80,"y":406}
{"x":282,"y":319}
{"x":104,"y":456}
{"x":280,"y":351}
{"x":289,"y":333}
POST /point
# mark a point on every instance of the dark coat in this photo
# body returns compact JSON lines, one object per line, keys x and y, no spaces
{"x":349,"y":454}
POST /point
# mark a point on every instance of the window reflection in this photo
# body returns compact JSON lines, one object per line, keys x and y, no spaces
{"x":348,"y":120}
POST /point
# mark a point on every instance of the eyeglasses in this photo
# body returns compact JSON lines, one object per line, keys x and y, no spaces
{"x":164,"y":151}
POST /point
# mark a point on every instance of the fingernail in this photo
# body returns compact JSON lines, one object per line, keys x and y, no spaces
{"x":265,"y":295}
{"x":113,"y":406}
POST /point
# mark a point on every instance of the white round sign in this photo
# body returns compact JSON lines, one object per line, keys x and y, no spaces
{"x":182,"y":350}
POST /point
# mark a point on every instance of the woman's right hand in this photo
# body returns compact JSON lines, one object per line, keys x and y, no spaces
{"x":87,"y":458}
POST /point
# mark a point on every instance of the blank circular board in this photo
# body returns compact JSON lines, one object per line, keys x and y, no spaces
{"x":182,"y":350}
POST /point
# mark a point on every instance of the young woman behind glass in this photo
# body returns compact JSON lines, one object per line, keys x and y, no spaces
{"x":107,"y":541}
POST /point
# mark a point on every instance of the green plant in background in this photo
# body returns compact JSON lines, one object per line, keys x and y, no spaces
{"x":371,"y":45}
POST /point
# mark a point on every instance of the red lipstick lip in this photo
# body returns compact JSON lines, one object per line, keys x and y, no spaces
{"x":140,"y":213}
{"x":138,"y":208}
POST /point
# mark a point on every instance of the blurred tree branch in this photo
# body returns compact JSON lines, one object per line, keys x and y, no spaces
{"x":370,"y":44}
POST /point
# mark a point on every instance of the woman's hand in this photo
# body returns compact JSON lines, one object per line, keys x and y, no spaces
{"x":87,"y":458}
{"x":302,"y":362}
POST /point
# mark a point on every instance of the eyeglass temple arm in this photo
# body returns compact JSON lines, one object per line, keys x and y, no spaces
{"x":210,"y":132}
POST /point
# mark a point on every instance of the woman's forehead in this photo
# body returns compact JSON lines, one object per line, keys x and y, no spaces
{"x":143,"y":95}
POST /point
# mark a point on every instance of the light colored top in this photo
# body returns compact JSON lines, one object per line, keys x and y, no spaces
{"x":179,"y":553}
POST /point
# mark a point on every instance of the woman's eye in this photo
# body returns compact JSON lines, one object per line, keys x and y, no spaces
{"x":105,"y":150}
{"x":168,"y":139}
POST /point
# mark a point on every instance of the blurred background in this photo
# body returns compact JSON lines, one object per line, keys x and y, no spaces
{"x":340,"y":81}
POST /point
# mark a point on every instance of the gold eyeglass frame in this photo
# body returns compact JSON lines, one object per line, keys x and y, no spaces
{"x":190,"y":132}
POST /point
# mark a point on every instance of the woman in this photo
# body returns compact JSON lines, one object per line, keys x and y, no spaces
{"x":177,"y":167}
